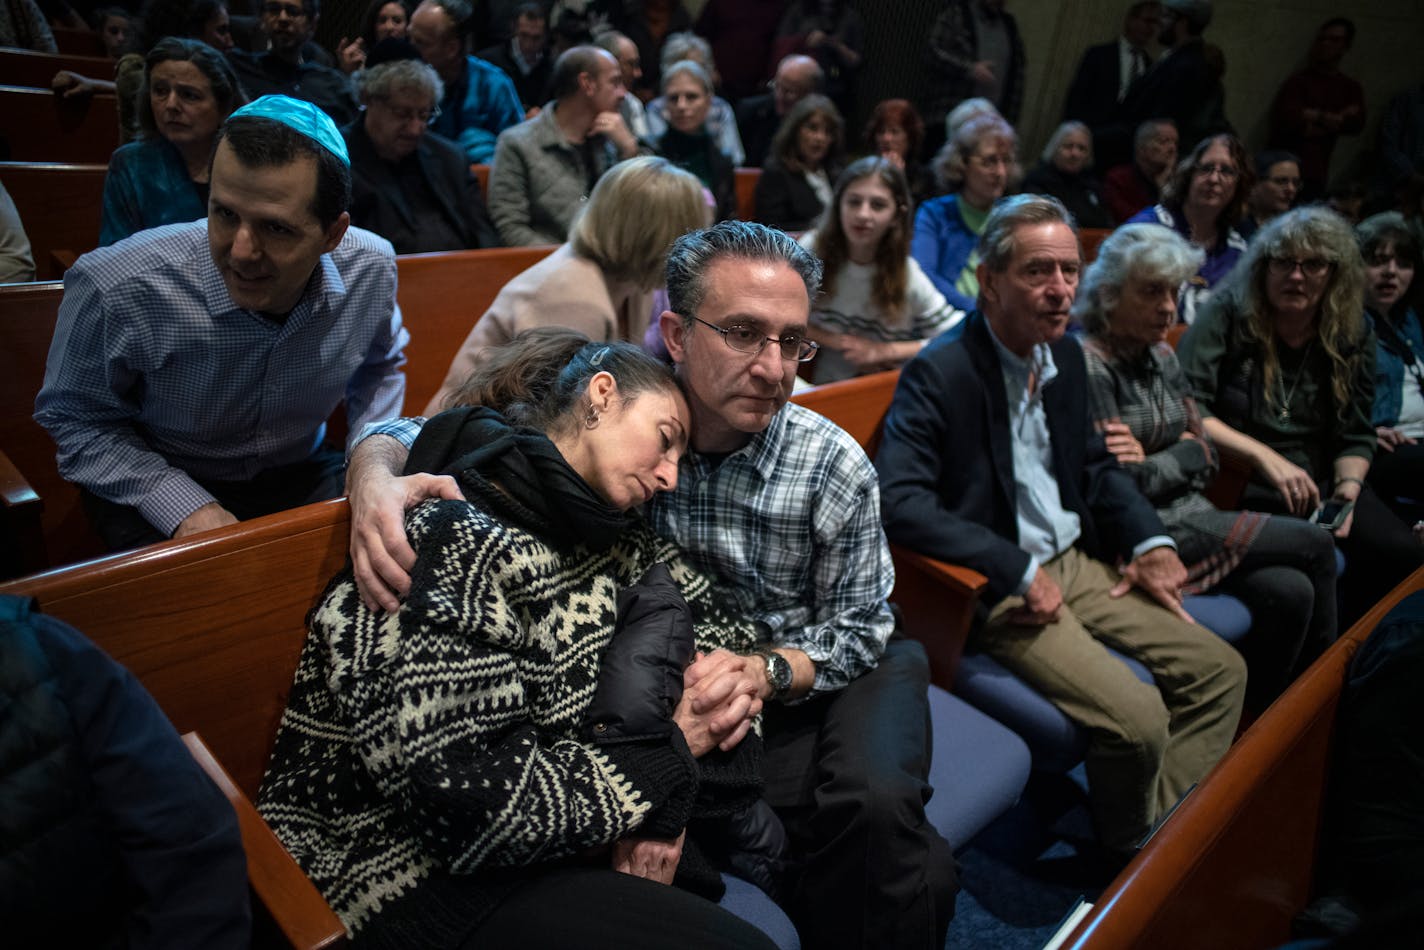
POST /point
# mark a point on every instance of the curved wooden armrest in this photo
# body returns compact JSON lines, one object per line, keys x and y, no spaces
{"x":937,"y":602}
{"x":294,"y":903}
{"x":16,"y":494}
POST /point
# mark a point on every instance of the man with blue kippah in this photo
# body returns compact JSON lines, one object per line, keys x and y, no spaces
{"x":194,"y":365}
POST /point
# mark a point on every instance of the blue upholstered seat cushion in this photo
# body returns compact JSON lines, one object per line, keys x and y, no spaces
{"x":978,"y":770}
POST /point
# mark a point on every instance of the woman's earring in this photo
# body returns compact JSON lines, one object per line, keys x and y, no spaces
{"x":591,"y":419}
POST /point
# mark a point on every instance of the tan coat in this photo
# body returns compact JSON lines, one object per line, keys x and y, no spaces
{"x":562,"y":290}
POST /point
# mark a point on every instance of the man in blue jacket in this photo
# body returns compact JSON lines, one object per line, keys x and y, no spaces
{"x":480,"y":101}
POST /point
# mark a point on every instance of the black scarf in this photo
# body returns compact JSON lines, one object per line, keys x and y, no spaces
{"x":517,"y":470}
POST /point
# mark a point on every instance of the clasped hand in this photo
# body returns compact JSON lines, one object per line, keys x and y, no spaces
{"x":722,"y":693}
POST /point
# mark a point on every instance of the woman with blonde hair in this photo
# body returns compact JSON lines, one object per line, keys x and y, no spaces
{"x":978,"y":164}
{"x":876,"y":307}
{"x":1281,"y":363}
{"x":599,"y":282}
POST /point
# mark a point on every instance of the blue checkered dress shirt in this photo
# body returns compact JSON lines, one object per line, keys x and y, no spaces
{"x":155,"y":377}
{"x":791,"y":524}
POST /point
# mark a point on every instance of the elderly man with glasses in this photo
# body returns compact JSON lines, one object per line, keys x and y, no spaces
{"x":758,"y":117}
{"x":409,"y":185}
{"x":284,"y":69}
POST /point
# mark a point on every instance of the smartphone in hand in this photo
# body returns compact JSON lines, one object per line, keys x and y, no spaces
{"x":1332,"y":514}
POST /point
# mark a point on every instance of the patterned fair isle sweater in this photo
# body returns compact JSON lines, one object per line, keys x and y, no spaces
{"x":430,"y":759}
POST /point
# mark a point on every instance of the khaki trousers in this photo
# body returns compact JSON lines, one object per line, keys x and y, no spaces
{"x":1147,"y":745}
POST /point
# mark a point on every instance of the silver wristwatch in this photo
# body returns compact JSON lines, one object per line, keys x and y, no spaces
{"x":778,"y":672}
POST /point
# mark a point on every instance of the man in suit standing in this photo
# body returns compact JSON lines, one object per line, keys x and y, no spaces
{"x":1107,"y":70}
{"x":988,"y":460}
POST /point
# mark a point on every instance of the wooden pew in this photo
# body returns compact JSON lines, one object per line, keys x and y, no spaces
{"x":22,"y":67}
{"x":213,"y":627}
{"x":41,"y":127}
{"x":1236,"y":861}
{"x":481,"y":173}
{"x":59,"y":205}
{"x":72,"y":42}
{"x":27,"y":317}
{"x":441,"y":296}
{"x":746,"y":182}
{"x":936,"y":599}
{"x":1090,"y":238}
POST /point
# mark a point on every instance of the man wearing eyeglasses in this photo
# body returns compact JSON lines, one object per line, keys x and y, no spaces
{"x":758,"y":117}
{"x":283,"y":69}
{"x":782,"y":507}
{"x":409,"y":185}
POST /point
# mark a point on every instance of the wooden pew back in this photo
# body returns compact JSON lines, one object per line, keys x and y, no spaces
{"x":27,"y":317}
{"x":745,"y":182}
{"x":1236,"y":862}
{"x":936,"y":599}
{"x":23,"y":67}
{"x":42,"y":127}
{"x":211,"y":626}
{"x":441,"y":297}
{"x":59,"y":204}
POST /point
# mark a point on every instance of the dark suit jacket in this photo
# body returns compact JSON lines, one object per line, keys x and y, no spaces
{"x":946,"y":462}
{"x":377,"y":203}
{"x":785,"y":200}
{"x":757,"y":123}
{"x":1182,"y":87}
{"x":1092,"y":98}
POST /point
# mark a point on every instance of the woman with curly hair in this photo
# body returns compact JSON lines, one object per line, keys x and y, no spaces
{"x":1282,"y":367}
{"x":1202,"y":202}
{"x":979,"y":163}
{"x":1282,"y":568}
{"x":876,"y":308}
{"x":795,"y":183}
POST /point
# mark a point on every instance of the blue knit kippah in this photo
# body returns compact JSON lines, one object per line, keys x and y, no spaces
{"x":304,"y":117}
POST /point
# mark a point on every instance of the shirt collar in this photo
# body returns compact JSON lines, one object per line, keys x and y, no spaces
{"x":1017,"y":367}
{"x":325,"y":286}
{"x":760,"y":453}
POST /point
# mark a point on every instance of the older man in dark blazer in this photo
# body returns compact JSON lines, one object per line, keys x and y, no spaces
{"x":1106,"y":71}
{"x":408,"y":184}
{"x":988,"y":460}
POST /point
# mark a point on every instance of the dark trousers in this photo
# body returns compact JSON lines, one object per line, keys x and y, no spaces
{"x":1380,"y":550}
{"x":1398,"y":477}
{"x":592,"y":907}
{"x":277,"y":489}
{"x":1287,"y":581}
{"x":847,"y":774}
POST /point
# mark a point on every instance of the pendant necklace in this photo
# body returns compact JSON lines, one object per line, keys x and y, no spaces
{"x":1284,"y":415}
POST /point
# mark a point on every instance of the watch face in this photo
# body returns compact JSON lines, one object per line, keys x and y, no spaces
{"x":778,"y":672}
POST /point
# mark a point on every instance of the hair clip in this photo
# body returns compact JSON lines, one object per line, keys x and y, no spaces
{"x":598,"y":357}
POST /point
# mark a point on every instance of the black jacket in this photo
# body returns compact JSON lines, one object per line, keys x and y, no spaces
{"x":533,"y":89}
{"x":946,"y":462}
{"x":378,"y":205}
{"x":785,"y":200}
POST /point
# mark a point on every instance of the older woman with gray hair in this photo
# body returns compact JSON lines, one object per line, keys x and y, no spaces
{"x":687,"y":141}
{"x":408,"y":184}
{"x":721,"y":120}
{"x":1282,"y":568}
{"x":979,"y":164}
{"x":1066,"y":173}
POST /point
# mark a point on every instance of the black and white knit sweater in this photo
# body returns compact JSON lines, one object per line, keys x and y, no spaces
{"x":426,"y":756}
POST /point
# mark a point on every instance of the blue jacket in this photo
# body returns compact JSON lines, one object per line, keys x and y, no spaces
{"x":1390,"y":371}
{"x":112,"y":835}
{"x":147,"y":186}
{"x":477,"y":107}
{"x":942,"y":246}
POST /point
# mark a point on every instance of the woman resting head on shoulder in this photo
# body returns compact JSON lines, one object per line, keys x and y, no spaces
{"x":517,"y":732}
{"x":1282,"y":364}
{"x":876,"y":308}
